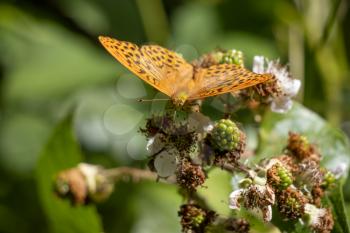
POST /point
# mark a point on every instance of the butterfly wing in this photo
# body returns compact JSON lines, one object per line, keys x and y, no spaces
{"x":155,"y":65}
{"x":223,"y":78}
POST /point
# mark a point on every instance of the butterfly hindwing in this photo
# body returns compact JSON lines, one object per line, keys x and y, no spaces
{"x":223,"y":78}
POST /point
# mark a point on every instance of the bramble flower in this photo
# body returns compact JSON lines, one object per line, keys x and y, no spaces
{"x":254,"y":197}
{"x":234,"y":199}
{"x":284,"y":87}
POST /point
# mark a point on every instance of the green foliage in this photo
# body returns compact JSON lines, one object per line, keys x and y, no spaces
{"x":62,"y":152}
{"x":332,"y":143}
{"x":341,"y":218}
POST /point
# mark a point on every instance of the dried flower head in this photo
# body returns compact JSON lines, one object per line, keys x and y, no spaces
{"x":317,"y":194}
{"x":208,"y":60}
{"x":195,"y":219}
{"x":291,"y":203}
{"x":189,"y":175}
{"x":300,"y":148}
{"x":282,"y":89}
{"x":237,"y":225}
{"x":309,"y":174}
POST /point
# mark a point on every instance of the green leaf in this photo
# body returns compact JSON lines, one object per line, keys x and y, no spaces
{"x":217,"y":180}
{"x":62,"y":152}
{"x":332,"y":143}
{"x":339,"y":211}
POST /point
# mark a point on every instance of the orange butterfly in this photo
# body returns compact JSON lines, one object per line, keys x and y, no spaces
{"x":171,"y":74}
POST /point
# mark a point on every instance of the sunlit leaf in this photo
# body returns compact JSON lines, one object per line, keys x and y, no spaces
{"x":62,"y":152}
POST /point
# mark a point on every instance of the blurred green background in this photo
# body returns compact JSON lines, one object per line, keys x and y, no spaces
{"x":51,"y":60}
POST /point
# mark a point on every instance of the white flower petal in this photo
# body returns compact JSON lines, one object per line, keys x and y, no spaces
{"x":315,"y":214}
{"x":155,"y":144}
{"x":281,"y":104}
{"x":234,"y":199}
{"x":291,"y":87}
{"x":150,"y":143}
{"x":272,"y":162}
{"x":165,"y":163}
{"x":340,"y":170}
{"x":258,"y":64}
{"x":267,"y":213}
{"x":89,"y":171}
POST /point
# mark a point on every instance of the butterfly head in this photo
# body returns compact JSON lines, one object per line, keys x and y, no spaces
{"x":180,"y":98}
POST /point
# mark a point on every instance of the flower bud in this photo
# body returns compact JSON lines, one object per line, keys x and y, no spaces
{"x":328,"y":180}
{"x":233,"y":57}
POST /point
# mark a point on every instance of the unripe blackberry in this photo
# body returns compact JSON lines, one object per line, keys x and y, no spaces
{"x":233,"y":57}
{"x":226,"y":135}
{"x":291,"y":203}
{"x":279,"y":177}
{"x":194,"y":218}
{"x":328,"y":179}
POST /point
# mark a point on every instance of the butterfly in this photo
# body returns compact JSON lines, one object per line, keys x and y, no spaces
{"x":169,"y":73}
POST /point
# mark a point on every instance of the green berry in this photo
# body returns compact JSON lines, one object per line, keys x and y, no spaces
{"x":232,"y":57}
{"x":328,"y":179}
{"x":197,"y":220}
{"x":285,"y":176}
{"x":279,"y":177}
{"x":226,"y":135}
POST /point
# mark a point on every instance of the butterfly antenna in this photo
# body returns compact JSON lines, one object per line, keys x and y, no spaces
{"x":151,"y":100}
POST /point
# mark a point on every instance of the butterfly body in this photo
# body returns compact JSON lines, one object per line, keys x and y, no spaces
{"x":169,"y":73}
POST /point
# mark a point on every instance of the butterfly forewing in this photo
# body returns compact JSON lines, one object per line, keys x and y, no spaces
{"x":156,"y":65}
{"x":223,"y":78}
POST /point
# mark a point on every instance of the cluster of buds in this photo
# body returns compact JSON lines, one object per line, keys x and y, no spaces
{"x":294,"y":182}
{"x":84,"y":183}
{"x":232,"y":56}
{"x":181,"y":148}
